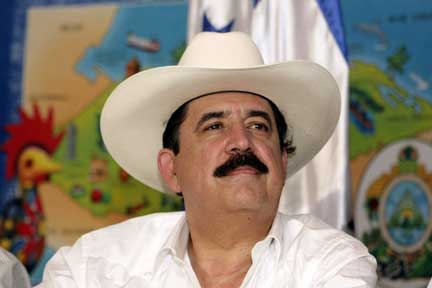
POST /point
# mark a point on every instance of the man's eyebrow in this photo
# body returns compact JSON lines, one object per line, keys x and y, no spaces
{"x":210,"y":115}
{"x":260,"y":113}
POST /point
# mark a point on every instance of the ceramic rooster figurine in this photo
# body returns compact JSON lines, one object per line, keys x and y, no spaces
{"x":29,"y":150}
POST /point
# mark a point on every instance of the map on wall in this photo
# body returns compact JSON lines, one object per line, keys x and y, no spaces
{"x":67,"y":184}
{"x":390,"y":135}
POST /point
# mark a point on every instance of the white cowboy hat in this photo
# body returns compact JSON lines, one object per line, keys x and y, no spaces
{"x":134,"y":116}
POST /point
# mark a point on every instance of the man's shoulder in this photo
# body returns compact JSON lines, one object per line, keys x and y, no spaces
{"x":313,"y":237}
{"x":319,"y":253}
{"x":117,"y":253}
{"x":135,"y":229}
{"x":140,"y":237}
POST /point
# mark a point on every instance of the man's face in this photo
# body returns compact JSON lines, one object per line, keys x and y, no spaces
{"x":215,"y":168}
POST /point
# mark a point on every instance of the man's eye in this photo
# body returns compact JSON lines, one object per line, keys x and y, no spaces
{"x":259,"y":126}
{"x":214,"y":126}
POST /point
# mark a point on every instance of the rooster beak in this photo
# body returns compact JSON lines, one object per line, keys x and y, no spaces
{"x":35,"y":162}
{"x":48,"y":165}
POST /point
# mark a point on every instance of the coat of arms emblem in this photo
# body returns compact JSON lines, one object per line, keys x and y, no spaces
{"x":394,"y":212}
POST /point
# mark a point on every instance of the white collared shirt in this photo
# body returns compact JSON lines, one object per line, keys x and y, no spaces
{"x":151,"y":251}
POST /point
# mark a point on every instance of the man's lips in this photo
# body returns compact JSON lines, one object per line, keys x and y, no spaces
{"x":244,"y":170}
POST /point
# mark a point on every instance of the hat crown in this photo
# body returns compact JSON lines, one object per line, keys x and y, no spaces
{"x":221,"y":50}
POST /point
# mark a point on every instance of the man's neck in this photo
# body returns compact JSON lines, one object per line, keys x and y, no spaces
{"x":220,"y":250}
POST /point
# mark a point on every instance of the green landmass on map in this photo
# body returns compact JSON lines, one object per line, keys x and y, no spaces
{"x":94,"y":180}
{"x":395,"y":114}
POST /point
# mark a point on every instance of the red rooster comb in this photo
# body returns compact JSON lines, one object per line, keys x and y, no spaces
{"x":29,"y":131}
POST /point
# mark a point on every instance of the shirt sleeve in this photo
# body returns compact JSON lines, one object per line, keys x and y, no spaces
{"x":345,"y":262}
{"x":358,"y":273}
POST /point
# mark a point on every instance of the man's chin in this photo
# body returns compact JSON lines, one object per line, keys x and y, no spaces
{"x":245,"y":195}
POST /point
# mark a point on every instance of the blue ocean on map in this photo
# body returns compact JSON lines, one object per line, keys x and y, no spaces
{"x":143,"y":24}
{"x":378,"y":28}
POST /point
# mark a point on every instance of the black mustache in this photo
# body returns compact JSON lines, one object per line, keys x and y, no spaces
{"x":246,"y":158}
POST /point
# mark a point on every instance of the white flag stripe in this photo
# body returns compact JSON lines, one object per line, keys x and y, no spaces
{"x":220,"y":13}
{"x":320,"y":187}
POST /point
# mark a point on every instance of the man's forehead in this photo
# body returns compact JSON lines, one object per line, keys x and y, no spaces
{"x":226,"y":101}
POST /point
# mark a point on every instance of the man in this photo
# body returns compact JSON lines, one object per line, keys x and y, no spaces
{"x":12,"y":272}
{"x":227,"y":150}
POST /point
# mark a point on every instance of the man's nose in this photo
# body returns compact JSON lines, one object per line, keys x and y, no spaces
{"x":238,"y":139}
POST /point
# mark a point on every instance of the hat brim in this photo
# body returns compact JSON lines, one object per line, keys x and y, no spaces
{"x":134,"y":117}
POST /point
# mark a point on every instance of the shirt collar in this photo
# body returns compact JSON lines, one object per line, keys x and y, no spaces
{"x":177,"y":241}
{"x":276,"y":230}
{"x":274,"y":237}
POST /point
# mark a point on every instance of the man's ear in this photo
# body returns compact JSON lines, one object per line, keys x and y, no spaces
{"x":165,"y":162}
